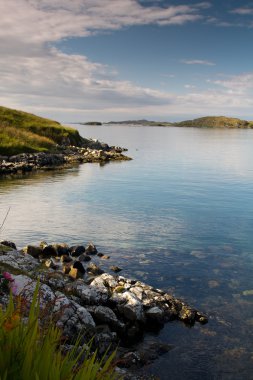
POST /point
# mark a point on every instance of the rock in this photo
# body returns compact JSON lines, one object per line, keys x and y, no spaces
{"x":73,"y":273}
{"x":67,"y":268}
{"x":103,"y":314}
{"x":187,"y":315}
{"x":49,"y":250}
{"x":8,"y":244}
{"x":129,"y":306}
{"x":115,"y":269}
{"x":94,"y":269}
{"x":33,"y":250}
{"x":84,"y":257}
{"x":61,"y":248}
{"x":51,"y":264}
{"x":43,"y":244}
{"x":105,"y":280}
{"x":77,"y":250}
{"x":90,"y":295}
{"x":91,"y":249}
{"x":5,"y":248}
{"x":155,"y":314}
{"x":66,"y":259}
{"x":79,"y":266}
{"x":18,"y":260}
{"x":105,"y":257}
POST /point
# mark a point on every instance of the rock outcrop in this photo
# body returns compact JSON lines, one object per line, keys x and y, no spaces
{"x":113,"y":309}
{"x":93,"y":151}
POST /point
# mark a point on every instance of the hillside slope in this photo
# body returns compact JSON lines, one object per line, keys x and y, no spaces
{"x":22,"y":132}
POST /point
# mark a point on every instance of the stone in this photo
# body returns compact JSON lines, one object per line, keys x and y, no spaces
{"x":91,"y":249}
{"x":129,"y":306}
{"x":49,"y":250}
{"x":187,"y":315}
{"x":84,"y":257}
{"x":115,"y":269}
{"x":90,"y":295}
{"x":94,"y":269}
{"x":79,"y":266}
{"x":103,"y":314}
{"x":51,"y":264}
{"x":8,"y":243}
{"x":105,"y":257}
{"x":33,"y":250}
{"x":61,"y":248}
{"x":77,"y":250}
{"x":155,"y":314}
{"x":66,"y":259}
{"x":73,"y":273}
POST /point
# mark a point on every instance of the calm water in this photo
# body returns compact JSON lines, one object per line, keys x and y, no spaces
{"x":179,"y":216}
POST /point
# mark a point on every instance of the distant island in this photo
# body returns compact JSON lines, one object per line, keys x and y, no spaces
{"x":202,"y":122}
{"x":91,"y":123}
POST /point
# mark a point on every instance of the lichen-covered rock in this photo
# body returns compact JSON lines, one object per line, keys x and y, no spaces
{"x":89,"y":295}
{"x":8,"y":243}
{"x":19,"y":260}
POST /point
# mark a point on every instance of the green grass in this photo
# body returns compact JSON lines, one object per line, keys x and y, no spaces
{"x":22,"y":132}
{"x":30,"y":351}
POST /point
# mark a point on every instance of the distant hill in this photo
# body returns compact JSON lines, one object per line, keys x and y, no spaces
{"x":22,"y":132}
{"x":216,"y":122}
{"x":202,"y":122}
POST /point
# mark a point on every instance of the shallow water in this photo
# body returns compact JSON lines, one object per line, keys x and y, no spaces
{"x":179,"y":216}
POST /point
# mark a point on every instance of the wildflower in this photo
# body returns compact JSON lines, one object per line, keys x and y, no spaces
{"x":11,"y":322}
{"x":7,"y":276}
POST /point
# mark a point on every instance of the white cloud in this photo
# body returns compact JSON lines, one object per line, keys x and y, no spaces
{"x":189,"y":86}
{"x":197,"y":62}
{"x":38,"y":21}
{"x":37,"y":77}
{"x":237,"y":84}
{"x":243,"y":11}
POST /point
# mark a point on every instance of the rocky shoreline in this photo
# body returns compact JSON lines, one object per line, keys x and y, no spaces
{"x":93,"y":151}
{"x":113,"y":310}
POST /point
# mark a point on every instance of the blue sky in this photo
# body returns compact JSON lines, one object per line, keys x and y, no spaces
{"x":106,"y":60}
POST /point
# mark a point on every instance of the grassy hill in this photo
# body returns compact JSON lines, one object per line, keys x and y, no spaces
{"x":22,"y":132}
{"x":216,"y":122}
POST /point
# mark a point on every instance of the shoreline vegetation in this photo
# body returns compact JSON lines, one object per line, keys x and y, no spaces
{"x":202,"y":122}
{"x":29,"y":142}
{"x":86,"y":302}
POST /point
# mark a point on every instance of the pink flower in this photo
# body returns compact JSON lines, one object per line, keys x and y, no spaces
{"x":7,"y":276}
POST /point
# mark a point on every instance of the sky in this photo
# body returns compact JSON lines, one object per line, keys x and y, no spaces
{"x":83,"y":60}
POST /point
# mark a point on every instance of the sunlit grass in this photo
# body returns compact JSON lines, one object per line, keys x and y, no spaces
{"x":22,"y":132}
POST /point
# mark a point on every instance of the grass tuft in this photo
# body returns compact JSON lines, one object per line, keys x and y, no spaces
{"x":28,"y":351}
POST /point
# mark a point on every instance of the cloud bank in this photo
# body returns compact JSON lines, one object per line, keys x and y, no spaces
{"x":38,"y":77}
